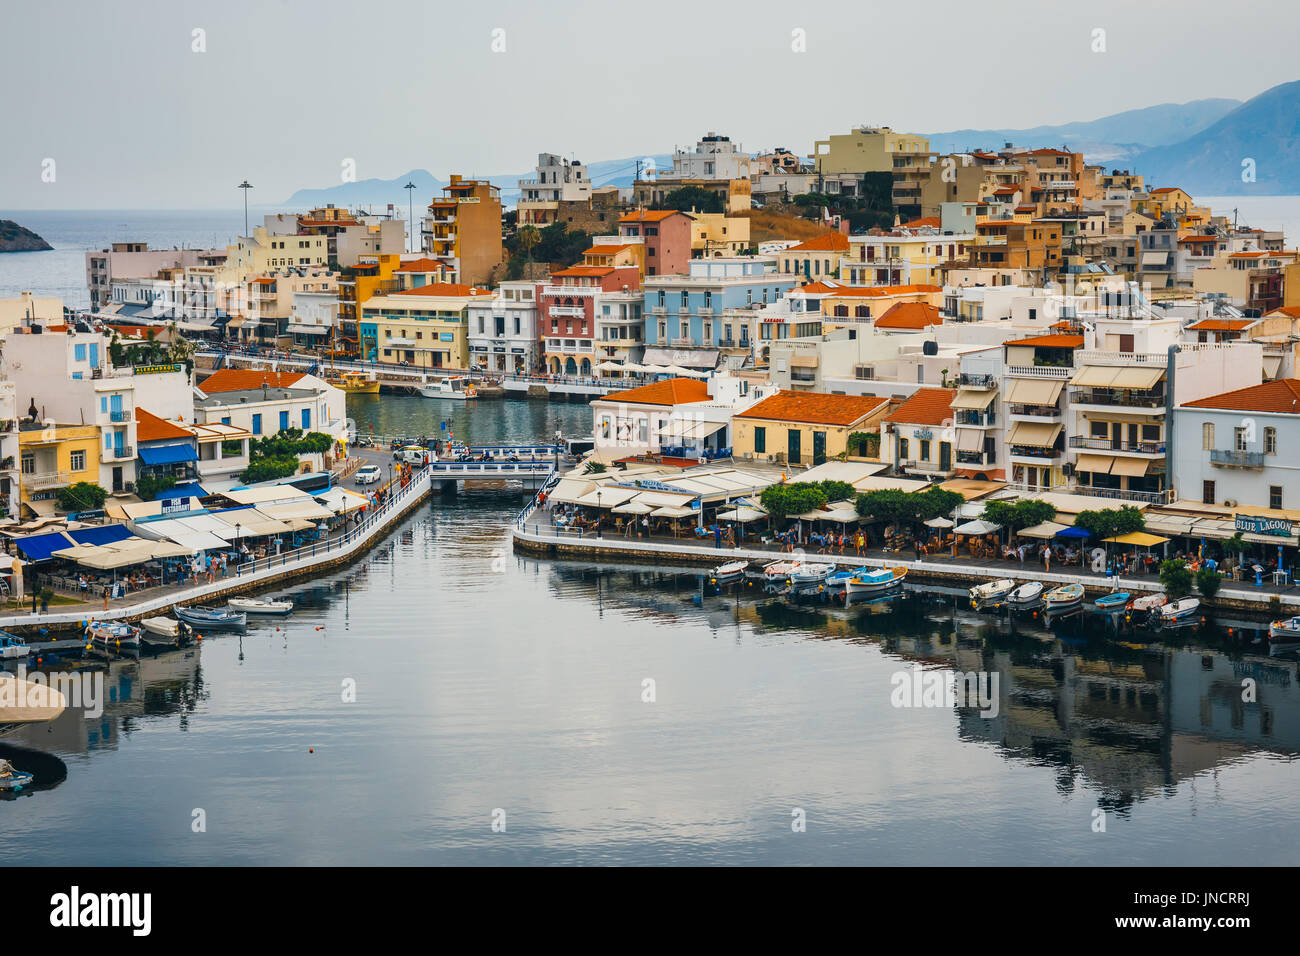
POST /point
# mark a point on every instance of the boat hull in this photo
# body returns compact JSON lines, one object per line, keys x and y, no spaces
{"x":265,"y":608}
{"x":222,"y":622}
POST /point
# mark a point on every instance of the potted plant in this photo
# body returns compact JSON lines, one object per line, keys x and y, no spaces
{"x":46,"y":595}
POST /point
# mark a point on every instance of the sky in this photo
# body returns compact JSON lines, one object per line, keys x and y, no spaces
{"x":123,"y":105}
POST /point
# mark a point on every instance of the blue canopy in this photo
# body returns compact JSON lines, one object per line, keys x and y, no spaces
{"x":104,"y":534}
{"x":168,"y":454}
{"x":189,"y":489}
{"x":1073,"y":533}
{"x":40,"y":547}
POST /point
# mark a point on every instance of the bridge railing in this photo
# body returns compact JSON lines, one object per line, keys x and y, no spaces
{"x":529,"y":508}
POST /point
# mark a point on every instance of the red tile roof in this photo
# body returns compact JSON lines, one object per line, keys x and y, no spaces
{"x":652,"y":215}
{"x":817,"y":408}
{"x":444,"y":289}
{"x":606,"y":250}
{"x":577,"y":271}
{"x":1052,"y":341}
{"x":670,"y":391}
{"x":1291,"y":311}
{"x":923,"y":222}
{"x":1221,"y":325}
{"x":927,"y":406}
{"x":423,"y":264}
{"x":239,"y":379}
{"x":1279,"y":396}
{"x":149,"y":427}
{"x":831,"y":242}
{"x":910,"y":315}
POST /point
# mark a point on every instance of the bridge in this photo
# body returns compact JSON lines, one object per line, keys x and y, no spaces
{"x":532,"y":474}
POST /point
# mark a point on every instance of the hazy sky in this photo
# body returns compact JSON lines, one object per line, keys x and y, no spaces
{"x":289,"y":89}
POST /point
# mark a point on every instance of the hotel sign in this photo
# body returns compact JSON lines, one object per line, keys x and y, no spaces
{"x":1257,"y":525}
{"x":156,"y":369}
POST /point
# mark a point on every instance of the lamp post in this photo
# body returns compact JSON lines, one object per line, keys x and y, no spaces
{"x":245,"y":186}
{"x":598,"y":510}
{"x":410,"y":204}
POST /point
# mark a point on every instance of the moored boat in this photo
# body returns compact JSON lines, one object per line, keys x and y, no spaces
{"x":255,"y":606}
{"x":1029,"y":593}
{"x":1114,"y":601}
{"x":837,"y":580}
{"x":808,"y":577}
{"x":1179,"y":610}
{"x":991,"y":592}
{"x":211,"y":618}
{"x":11,"y":778}
{"x":776,"y":575}
{"x":164,"y":631}
{"x":1148,"y":602}
{"x":12,"y":646}
{"x":875,"y":581}
{"x":354,"y":383}
{"x":731,"y":571}
{"x":1067,"y":595}
{"x":1288,"y":630}
{"x":113,"y":635}
{"x":455,"y":387}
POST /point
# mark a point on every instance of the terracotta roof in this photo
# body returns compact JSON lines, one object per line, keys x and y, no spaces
{"x":670,"y":391}
{"x":605,"y":250}
{"x":1292,"y":311}
{"x":1165,"y":189}
{"x":149,"y":427}
{"x":328,"y":222}
{"x":1280,"y":396}
{"x":578,"y":271}
{"x":817,"y":408}
{"x":923,"y":222}
{"x":1221,"y":325}
{"x":1246,"y":255}
{"x":831,"y":242}
{"x":927,"y":406}
{"x":1051,"y":341}
{"x":423,"y":264}
{"x":878,"y":291}
{"x":817,"y":288}
{"x":910,"y":315}
{"x":238,"y":379}
{"x":444,"y":289}
{"x":652,"y":215}
{"x":1199,"y":239}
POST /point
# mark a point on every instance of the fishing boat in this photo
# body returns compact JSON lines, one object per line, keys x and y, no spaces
{"x":808,"y":577}
{"x":12,"y":646}
{"x":11,"y":778}
{"x":731,"y":571}
{"x":1067,"y":595}
{"x":113,"y":635}
{"x":776,"y":575}
{"x":836,"y":581}
{"x":875,"y":581}
{"x":991,"y":592}
{"x":254,"y":606}
{"x":455,"y":387}
{"x":211,"y":618}
{"x":1288,"y":630}
{"x":354,"y":383}
{"x":1029,"y":593}
{"x":1148,"y":602}
{"x":164,"y":631}
{"x":1179,"y":610}
{"x":1114,"y":601}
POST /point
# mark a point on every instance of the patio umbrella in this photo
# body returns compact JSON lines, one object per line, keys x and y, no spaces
{"x":1047,"y":529}
{"x":1072,"y":533}
{"x":978,"y":526}
{"x":939,"y":523}
{"x":742,"y":514}
{"x":633,"y":508}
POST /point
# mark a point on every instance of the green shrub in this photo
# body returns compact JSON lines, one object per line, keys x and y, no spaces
{"x":1176,"y":578}
{"x":1207,"y":582}
{"x":83,"y":496}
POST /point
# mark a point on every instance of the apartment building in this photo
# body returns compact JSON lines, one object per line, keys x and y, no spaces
{"x":426,"y":326}
{"x":805,"y":428}
{"x":666,"y":237}
{"x":683,"y":311}
{"x":463,"y":229}
{"x":570,"y":311}
{"x":135,"y":260}
{"x":556,"y":180}
{"x":504,"y":331}
{"x":920,"y":434}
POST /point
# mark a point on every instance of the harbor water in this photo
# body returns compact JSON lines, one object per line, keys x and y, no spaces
{"x":447,"y":701}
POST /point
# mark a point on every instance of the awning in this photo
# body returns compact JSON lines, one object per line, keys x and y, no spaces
{"x":1143,"y":376}
{"x":970,"y":439}
{"x":1034,"y":434}
{"x":237,"y":322}
{"x":1095,"y":376}
{"x":340,"y":500}
{"x":103,"y":534}
{"x":189,"y":489}
{"x":973,"y":400}
{"x":671,"y":511}
{"x":569,"y":490}
{"x":1155,"y":258}
{"x":1033,"y":391}
{"x":41,"y":547}
{"x":1097,"y":464}
{"x":1139,"y":538}
{"x":742,"y":514}
{"x":606,"y":496}
{"x":308,"y":329}
{"x":1048,"y":529}
{"x":690,"y":429}
{"x":310,"y":510}
{"x":978,"y":526}
{"x":1133,"y":467}
{"x":168,"y":454}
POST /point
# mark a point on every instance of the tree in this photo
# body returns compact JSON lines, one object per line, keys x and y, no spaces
{"x":1176,"y":578}
{"x":935,"y":502}
{"x":1207,"y":582}
{"x":888,"y":504}
{"x":1024,"y":513}
{"x":83,"y":496}
{"x":837,"y":490}
{"x":147,"y":487}
{"x":527,"y":240}
{"x":693,"y":197}
{"x":268,"y":469}
{"x":594,"y":468}
{"x":290,"y":443}
{"x":1111,"y":522}
{"x":793,"y":498}
{"x":866,"y":443}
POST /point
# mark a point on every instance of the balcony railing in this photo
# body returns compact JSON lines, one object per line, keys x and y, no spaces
{"x":1032,"y":451}
{"x":972,"y":458}
{"x":969,"y":380}
{"x":1110,"y":444}
{"x":122,"y":453}
{"x":569,"y":290}
{"x":1036,"y":411}
{"x":47,"y":479}
{"x":568,"y":311}
{"x":1232,"y":458}
{"x":1134,"y":398}
{"x":1124,"y":494}
{"x":1040,"y":371}
{"x":120,"y":416}
{"x":976,"y":419}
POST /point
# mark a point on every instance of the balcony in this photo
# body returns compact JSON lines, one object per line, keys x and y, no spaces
{"x":1130,"y":398}
{"x":1035,"y":412}
{"x":973,"y":419}
{"x":47,"y":479}
{"x":1231,"y":458}
{"x":1110,"y":444}
{"x":975,"y":458}
{"x":568,"y":311}
{"x":925,"y":468}
{"x":569,"y":290}
{"x":970,"y":380}
{"x":1123,"y":494}
{"x":1032,"y":454}
{"x":120,"y":416}
{"x":1040,"y":371}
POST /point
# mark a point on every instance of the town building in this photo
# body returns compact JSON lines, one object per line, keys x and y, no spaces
{"x":425,"y":326}
{"x":503,"y":330}
{"x":797,"y":428}
{"x":463,"y":229}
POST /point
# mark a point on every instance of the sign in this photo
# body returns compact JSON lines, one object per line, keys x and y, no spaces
{"x":175,"y":506}
{"x":156,"y":369}
{"x":924,"y":434}
{"x":1254,"y":524}
{"x":466,"y":200}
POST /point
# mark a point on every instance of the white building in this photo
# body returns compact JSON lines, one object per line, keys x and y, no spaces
{"x":714,"y":157}
{"x":502,"y":331}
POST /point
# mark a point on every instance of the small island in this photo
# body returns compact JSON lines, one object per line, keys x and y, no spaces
{"x":15,"y":238}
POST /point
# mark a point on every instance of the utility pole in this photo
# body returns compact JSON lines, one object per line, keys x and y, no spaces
{"x":410,"y":202}
{"x":245,"y":186}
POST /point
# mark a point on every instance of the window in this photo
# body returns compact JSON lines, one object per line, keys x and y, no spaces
{"x":760,"y":440}
{"x":1275,"y":496}
{"x":1270,"y":444}
{"x":306,"y":419}
{"x":284,"y":420}
{"x":902,"y":449}
{"x":257,"y":423}
{"x":1207,"y":492}
{"x":79,"y":353}
{"x":77,"y":462}
{"x":925,"y":450}
{"x":1239,"y":438}
{"x":29,"y":465}
{"x":1207,"y":436}
{"x":226,"y":420}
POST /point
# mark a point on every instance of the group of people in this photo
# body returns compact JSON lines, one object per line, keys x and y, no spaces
{"x":833,"y":542}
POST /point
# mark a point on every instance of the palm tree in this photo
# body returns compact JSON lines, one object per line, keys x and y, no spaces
{"x":528,"y":238}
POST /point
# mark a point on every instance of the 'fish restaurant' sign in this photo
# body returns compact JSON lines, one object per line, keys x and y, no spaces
{"x":1257,"y":525}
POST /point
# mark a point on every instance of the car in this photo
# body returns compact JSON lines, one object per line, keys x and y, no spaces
{"x":368,"y":474}
{"x":414,"y":455}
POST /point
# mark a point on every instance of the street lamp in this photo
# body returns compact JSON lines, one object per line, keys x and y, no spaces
{"x":410,"y":203}
{"x":598,"y":510}
{"x":245,"y":186}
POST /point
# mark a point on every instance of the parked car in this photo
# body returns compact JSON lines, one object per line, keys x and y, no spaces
{"x":368,"y":474}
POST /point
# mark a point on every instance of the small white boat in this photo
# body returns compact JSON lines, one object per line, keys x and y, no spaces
{"x":254,"y":606}
{"x":991,"y":591}
{"x":809,"y":577}
{"x":458,"y":388}
{"x":875,"y":582}
{"x":113,"y":635}
{"x":1067,"y":595}
{"x":12,"y":646}
{"x":163,"y":630}
{"x":776,"y":574}
{"x":1288,"y":630}
{"x":730,"y":571}
{"x":1148,"y":602}
{"x":1180,"y":610}
{"x":11,"y":778}
{"x":1031,"y":592}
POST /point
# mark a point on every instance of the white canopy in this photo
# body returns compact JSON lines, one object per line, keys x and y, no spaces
{"x":1048,"y":529}
{"x":743,"y":514}
{"x":939,"y":523}
{"x":672,"y":511}
{"x":978,"y":526}
{"x":633,"y":508}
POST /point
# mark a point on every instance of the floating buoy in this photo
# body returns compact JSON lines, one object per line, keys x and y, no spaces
{"x":87,"y":647}
{"x":311,"y":750}
{"x":198,"y":637}
{"x":321,"y":628}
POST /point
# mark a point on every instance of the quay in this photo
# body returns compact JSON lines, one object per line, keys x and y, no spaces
{"x":534,"y":534}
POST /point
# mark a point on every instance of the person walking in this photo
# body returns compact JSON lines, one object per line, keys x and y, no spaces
{"x":717,"y":536}
{"x":1047,"y":558}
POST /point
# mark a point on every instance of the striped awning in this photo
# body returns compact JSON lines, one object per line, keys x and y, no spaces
{"x":972,"y":400}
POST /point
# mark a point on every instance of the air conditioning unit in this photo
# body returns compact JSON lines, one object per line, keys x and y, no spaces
{"x":1230,"y":502}
{"x":1067,"y":469}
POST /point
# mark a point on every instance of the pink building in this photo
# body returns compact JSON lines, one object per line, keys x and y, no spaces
{"x":667,"y":236}
{"x":566,"y":313}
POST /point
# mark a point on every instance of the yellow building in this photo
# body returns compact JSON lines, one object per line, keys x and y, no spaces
{"x":804,"y":427}
{"x":52,"y":457}
{"x":425,"y":326}
{"x":870,"y":150}
{"x":715,"y":234}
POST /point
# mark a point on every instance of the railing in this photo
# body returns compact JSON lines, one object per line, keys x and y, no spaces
{"x":972,"y":458}
{"x":1036,"y":411}
{"x":970,"y":380}
{"x":1103,"y":357}
{"x":120,"y":416}
{"x":1238,"y":459}
{"x":490,"y":469}
{"x":120,"y":453}
{"x":1110,"y":444}
{"x":1135,"y":398}
{"x":569,"y":290}
{"x":976,"y":420}
{"x":568,"y":311}
{"x":1033,"y":451}
{"x":47,"y":479}
{"x":1040,"y":371}
{"x":1123,"y":494}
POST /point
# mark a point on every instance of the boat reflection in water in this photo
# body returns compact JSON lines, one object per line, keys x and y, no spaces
{"x":1131,"y":710}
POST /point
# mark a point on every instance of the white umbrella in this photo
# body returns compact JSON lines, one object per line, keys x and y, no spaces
{"x":633,"y":508}
{"x":978,"y":527}
{"x":609,"y":367}
{"x":939,"y":523}
{"x":742,"y":514}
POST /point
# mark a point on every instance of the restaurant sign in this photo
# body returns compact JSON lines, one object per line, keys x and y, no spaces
{"x":156,"y":369}
{"x":1254,"y":524}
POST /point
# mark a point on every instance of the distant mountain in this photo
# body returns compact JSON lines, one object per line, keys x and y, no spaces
{"x":15,"y":238}
{"x":1115,"y":138}
{"x":381,"y":192}
{"x":1265,"y":129}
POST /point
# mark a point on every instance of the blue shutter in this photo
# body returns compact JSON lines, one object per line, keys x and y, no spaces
{"x":306,"y":419}
{"x":284,"y":420}
{"x":257,"y":423}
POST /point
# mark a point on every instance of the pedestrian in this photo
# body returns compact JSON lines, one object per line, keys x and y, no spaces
{"x":105,"y":597}
{"x":1047,"y":558}
{"x":717,"y":536}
